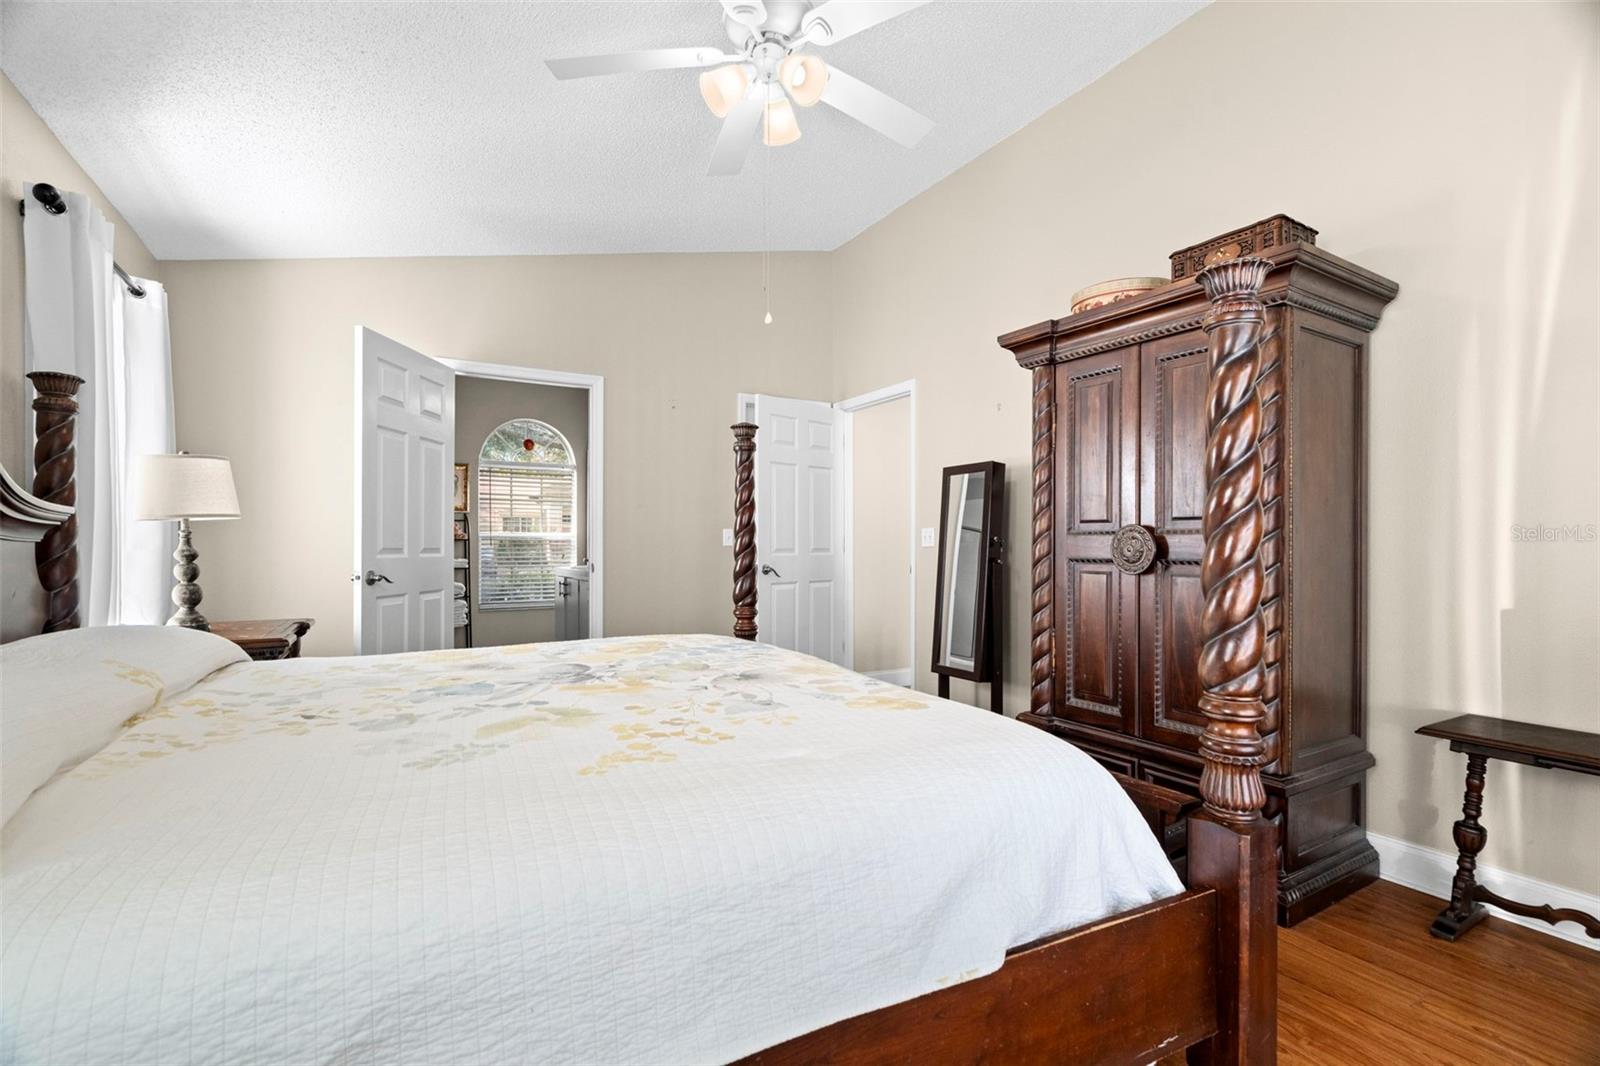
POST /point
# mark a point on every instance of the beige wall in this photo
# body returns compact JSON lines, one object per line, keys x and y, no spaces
{"x":482,"y":405}
{"x":1450,"y":148}
{"x":30,"y":153}
{"x":262,"y":370}
{"x":881,"y":505}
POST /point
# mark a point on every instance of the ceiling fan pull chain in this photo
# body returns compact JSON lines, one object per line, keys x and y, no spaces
{"x":766,"y":238}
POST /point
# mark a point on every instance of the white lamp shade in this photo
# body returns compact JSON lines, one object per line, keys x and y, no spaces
{"x":779,"y":125}
{"x":804,"y":77}
{"x":185,"y":486}
{"x":724,"y":87}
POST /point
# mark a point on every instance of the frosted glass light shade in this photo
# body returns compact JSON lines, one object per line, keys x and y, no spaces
{"x":185,"y":486}
{"x":804,"y":77}
{"x":778,"y":124}
{"x":724,"y":87}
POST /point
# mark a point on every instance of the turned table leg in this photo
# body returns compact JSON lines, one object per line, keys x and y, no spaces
{"x":1464,"y":910}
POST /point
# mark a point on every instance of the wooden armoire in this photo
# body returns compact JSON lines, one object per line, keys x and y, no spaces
{"x":1119,"y":432}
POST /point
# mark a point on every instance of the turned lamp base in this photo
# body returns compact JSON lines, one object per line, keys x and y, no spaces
{"x":186,"y":487}
{"x":186,"y":593}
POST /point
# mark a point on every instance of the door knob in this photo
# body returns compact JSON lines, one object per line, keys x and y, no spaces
{"x":373,"y":577}
{"x":769,"y":571}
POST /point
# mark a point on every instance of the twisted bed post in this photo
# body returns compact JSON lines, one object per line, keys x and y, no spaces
{"x":744,"y":530}
{"x":1232,"y":848}
{"x":55,"y":470}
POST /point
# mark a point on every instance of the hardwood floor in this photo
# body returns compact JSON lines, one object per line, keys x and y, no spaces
{"x":1363,"y":982}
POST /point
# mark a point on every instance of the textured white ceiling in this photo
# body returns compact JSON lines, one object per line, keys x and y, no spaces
{"x":271,"y":130}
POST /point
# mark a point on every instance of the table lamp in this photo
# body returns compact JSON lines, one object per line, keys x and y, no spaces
{"x":189,"y":488}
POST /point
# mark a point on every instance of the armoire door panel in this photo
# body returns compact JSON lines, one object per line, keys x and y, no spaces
{"x":1095,"y":479}
{"x":1097,"y":401}
{"x":1181,"y":421}
{"x":1172,"y":488}
{"x":1094,"y":651}
{"x":1096,"y":605}
{"x":1170,"y":640}
{"x":1099,"y":645}
{"x":1174,"y":378}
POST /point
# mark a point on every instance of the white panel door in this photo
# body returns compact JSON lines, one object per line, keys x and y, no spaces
{"x":405,"y":445}
{"x":798,"y":569}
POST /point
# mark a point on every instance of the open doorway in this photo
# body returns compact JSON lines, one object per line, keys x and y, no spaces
{"x":877,"y":441}
{"x":422,"y":574}
{"x":528,"y":531}
{"x":848,"y":502}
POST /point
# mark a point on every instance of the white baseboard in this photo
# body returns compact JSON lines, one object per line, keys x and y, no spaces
{"x":901,"y":677}
{"x":1431,"y":871}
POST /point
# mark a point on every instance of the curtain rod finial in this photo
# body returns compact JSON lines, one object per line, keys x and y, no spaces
{"x":49,"y":198}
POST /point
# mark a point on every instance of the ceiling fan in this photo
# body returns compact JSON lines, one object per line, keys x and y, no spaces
{"x":755,"y":85}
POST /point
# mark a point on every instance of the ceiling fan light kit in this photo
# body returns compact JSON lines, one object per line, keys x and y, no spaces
{"x":724,"y":87}
{"x":804,"y":77}
{"x":779,"y":127}
{"x":761,"y":85}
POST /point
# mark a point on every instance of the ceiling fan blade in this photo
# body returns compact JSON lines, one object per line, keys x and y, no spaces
{"x":751,"y":13}
{"x":874,"y":109}
{"x":835,"y":20}
{"x":636,"y":62}
{"x":738,"y":131}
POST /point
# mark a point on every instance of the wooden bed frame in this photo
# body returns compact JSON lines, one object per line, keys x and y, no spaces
{"x":1194,"y":974}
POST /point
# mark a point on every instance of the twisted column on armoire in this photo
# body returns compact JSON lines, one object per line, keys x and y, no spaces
{"x":744,"y":530}
{"x":1042,"y":650}
{"x":1231,"y":575}
{"x":55,"y":468}
{"x":1232,"y":848}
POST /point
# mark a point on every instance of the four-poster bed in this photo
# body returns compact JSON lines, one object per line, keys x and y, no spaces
{"x":1194,"y":970}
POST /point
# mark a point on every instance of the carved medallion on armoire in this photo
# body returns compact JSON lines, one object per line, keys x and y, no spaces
{"x":1119,"y":491}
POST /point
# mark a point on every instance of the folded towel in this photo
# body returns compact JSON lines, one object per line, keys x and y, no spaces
{"x":459,"y":590}
{"x":461,"y":612}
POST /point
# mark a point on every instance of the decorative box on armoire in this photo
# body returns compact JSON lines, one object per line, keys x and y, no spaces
{"x":1119,"y":431}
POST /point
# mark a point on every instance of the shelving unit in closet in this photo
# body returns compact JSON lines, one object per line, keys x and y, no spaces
{"x":463,"y":573}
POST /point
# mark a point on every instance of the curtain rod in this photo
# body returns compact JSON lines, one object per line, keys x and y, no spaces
{"x":50,"y":199}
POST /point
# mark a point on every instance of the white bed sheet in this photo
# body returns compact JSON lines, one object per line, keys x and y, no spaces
{"x":663,"y":849}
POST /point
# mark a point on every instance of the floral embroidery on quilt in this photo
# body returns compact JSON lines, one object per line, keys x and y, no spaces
{"x":644,"y":700}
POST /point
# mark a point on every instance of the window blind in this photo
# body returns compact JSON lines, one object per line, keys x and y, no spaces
{"x":525,"y":531}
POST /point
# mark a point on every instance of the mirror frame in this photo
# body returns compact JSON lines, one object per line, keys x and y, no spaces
{"x":983,"y":663}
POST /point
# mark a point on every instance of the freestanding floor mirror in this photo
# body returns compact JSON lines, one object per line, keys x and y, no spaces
{"x":967,"y":611}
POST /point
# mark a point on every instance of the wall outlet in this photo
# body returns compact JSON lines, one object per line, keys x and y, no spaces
{"x":927,"y":537}
{"x":727,"y":538}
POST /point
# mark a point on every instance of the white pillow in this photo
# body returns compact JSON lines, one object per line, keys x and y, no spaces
{"x":64,"y":696}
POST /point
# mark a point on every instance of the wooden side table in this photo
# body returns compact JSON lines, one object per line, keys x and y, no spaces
{"x":268,"y":638}
{"x":1482,"y":739}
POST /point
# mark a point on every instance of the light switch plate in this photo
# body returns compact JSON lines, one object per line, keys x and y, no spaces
{"x":927,"y":537}
{"x":727,"y":538}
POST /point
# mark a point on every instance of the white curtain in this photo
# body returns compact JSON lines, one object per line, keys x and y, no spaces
{"x":142,"y":592}
{"x":82,"y":320}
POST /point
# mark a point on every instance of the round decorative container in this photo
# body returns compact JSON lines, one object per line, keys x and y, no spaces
{"x":1110,"y":292}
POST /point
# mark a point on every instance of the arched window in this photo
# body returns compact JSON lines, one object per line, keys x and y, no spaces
{"x":527,"y":491}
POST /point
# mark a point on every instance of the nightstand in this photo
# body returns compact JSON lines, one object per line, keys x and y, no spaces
{"x":269,"y":638}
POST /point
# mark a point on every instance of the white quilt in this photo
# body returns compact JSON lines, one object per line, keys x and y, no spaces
{"x":662,"y":849}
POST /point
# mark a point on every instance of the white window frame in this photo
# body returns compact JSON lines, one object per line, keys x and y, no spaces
{"x":571,"y":537}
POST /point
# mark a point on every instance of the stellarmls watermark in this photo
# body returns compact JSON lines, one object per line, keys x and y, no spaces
{"x":1539,"y":533}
